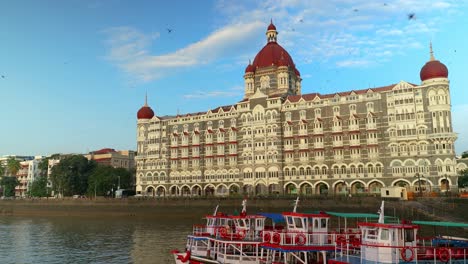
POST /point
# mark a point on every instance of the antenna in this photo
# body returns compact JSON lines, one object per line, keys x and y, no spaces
{"x":244,"y":207}
{"x":296,"y":203}
{"x":216,"y":210}
{"x":381,"y":213}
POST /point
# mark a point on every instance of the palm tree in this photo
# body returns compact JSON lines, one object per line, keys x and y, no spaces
{"x":2,"y":170}
{"x":13,"y":166}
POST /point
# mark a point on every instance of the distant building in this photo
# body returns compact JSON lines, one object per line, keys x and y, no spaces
{"x":28,"y":173}
{"x":111,"y":157}
{"x":278,"y":140}
{"x":4,"y":159}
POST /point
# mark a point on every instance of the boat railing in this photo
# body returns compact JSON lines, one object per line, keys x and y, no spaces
{"x":286,"y":238}
{"x":379,"y":252}
{"x":232,"y":252}
{"x":201,"y":230}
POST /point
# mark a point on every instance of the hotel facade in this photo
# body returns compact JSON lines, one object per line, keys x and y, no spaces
{"x":280,"y":141}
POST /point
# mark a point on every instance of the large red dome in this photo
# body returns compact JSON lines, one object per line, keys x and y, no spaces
{"x":145,"y":113}
{"x":433,"y":69}
{"x":270,"y":55}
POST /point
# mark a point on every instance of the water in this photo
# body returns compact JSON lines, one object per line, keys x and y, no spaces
{"x":91,"y":240}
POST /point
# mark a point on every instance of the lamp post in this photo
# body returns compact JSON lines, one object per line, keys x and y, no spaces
{"x":419,"y":182}
{"x":446,"y":185}
{"x":118,"y":185}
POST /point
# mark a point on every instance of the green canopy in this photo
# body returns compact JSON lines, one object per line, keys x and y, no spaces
{"x":353,"y":215}
{"x":446,"y":224}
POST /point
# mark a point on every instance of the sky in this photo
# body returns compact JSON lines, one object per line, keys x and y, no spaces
{"x":74,"y":73}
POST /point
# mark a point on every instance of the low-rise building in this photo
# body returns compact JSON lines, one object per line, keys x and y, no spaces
{"x":115,"y":158}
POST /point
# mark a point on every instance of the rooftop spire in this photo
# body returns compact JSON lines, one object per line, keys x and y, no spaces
{"x":431,"y":51}
{"x":146,"y":98}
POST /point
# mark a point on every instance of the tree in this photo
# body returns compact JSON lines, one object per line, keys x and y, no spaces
{"x":465,"y":154}
{"x":463,"y":179}
{"x":104,"y":179}
{"x":39,"y":187}
{"x":13,"y":166}
{"x":9,"y":183}
{"x":2,"y":170}
{"x":70,"y":176}
{"x":44,"y":166}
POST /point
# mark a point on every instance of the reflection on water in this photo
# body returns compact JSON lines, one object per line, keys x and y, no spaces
{"x":90,"y":240}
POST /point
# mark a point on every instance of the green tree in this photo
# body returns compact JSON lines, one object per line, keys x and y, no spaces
{"x":44,"y":166}
{"x":39,"y":187}
{"x":465,"y":154}
{"x":105,"y":179}
{"x":13,"y":166}
{"x":70,"y":176}
{"x":9,"y":183}
{"x":2,"y":170}
{"x":463,"y":179}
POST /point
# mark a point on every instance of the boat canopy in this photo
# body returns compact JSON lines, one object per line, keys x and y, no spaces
{"x":353,"y":215}
{"x":446,"y":224}
{"x":277,"y":218}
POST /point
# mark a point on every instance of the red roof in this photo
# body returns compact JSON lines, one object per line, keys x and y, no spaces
{"x":433,"y":69}
{"x":145,"y":113}
{"x":271,"y":55}
{"x":271,"y":26}
{"x":104,"y":151}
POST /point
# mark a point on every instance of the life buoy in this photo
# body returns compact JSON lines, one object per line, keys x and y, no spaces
{"x":300,"y":239}
{"x":276,"y":238}
{"x":340,"y":240}
{"x":355,"y":242}
{"x":223,"y":231}
{"x":443,"y":254}
{"x":241,"y":234}
{"x":407,"y":257}
{"x":266,"y":237}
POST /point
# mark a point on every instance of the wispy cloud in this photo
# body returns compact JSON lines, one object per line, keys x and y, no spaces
{"x":129,"y":48}
{"x":347,"y":33}
{"x":232,"y":92}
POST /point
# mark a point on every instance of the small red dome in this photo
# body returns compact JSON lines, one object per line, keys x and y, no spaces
{"x":250,"y":68}
{"x":145,"y":113}
{"x":271,"y":26}
{"x":433,"y":69}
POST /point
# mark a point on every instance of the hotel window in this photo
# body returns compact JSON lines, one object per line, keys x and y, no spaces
{"x":336,"y":110}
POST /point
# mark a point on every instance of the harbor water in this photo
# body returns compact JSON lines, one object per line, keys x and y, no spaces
{"x":90,"y":240}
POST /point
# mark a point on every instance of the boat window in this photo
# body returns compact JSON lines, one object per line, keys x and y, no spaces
{"x":323,"y":221}
{"x":290,"y":220}
{"x":298,"y":222}
{"x":371,"y":234}
{"x":315,"y":223}
{"x":241,"y":223}
{"x":409,"y":235}
{"x":384,"y":234}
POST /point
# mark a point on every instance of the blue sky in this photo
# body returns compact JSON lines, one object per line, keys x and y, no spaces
{"x":76,"y":72}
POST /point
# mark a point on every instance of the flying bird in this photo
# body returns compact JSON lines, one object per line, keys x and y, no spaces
{"x":3,"y":76}
{"x":385,"y":4}
{"x":411,"y":16}
{"x":301,"y":21}
{"x":169,"y":30}
{"x":355,"y":10}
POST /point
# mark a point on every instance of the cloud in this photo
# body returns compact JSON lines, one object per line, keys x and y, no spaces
{"x":205,"y":94}
{"x":347,"y":33}
{"x":129,"y":49}
{"x":353,"y":63}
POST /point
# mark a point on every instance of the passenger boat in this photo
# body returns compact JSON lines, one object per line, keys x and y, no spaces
{"x":383,"y":242}
{"x":307,"y":238}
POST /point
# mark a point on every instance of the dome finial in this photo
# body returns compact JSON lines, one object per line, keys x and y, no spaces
{"x":146,"y":98}
{"x":431,"y":51}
